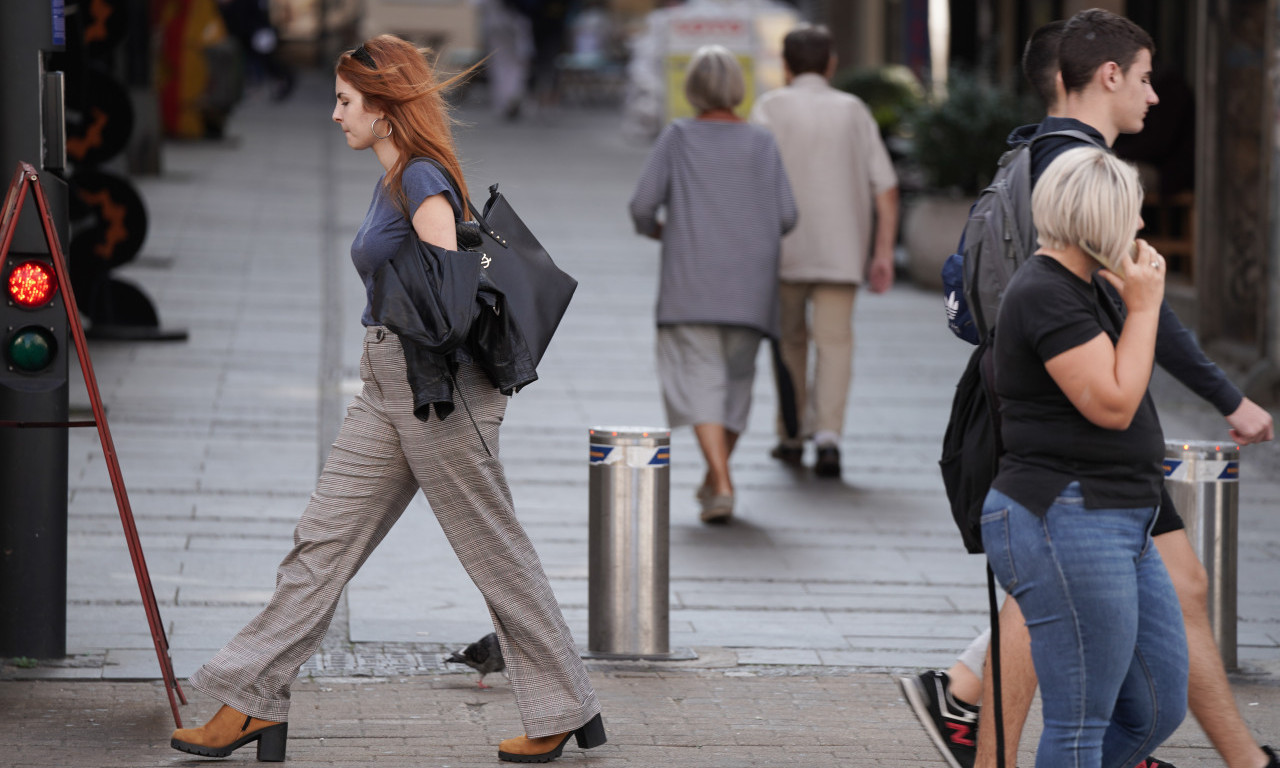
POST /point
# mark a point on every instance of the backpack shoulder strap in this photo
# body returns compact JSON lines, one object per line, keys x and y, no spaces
{"x":1071,"y":133}
{"x":1018,"y":161}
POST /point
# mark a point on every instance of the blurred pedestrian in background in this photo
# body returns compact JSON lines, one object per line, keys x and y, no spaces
{"x":388,"y":100}
{"x":1067,"y":523}
{"x":510,"y":45}
{"x":727,"y":205}
{"x":249,"y":22}
{"x":847,"y":194}
{"x":548,"y":25}
{"x":549,"y":20}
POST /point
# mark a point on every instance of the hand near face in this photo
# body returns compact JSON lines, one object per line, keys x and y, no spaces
{"x":1142,"y":286}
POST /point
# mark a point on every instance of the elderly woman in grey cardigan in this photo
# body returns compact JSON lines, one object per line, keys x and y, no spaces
{"x":727,"y":205}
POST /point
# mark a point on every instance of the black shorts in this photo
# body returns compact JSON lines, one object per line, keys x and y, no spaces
{"x":1167,"y":518}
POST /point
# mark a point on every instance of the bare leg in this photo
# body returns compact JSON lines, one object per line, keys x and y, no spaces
{"x":1018,"y":684}
{"x":965,"y":686}
{"x":717,"y":443}
{"x":1209,"y":693}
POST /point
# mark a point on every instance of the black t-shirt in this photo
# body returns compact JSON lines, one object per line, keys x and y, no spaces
{"x":1046,"y":311}
{"x":1176,"y":348}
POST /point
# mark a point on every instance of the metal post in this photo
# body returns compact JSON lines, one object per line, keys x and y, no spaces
{"x":628,"y":600}
{"x":1202,"y":478}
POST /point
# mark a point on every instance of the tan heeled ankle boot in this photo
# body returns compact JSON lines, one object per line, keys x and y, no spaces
{"x":229,"y":730}
{"x":544,"y":749}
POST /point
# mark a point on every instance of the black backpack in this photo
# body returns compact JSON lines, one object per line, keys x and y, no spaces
{"x":998,"y":238}
{"x":971,"y":447}
{"x":1000,"y":234}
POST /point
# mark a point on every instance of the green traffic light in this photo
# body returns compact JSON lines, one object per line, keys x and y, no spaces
{"x":31,"y":349}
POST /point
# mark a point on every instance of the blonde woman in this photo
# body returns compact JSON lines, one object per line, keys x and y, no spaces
{"x":388,"y":101}
{"x":727,"y":205}
{"x":1066,"y":525}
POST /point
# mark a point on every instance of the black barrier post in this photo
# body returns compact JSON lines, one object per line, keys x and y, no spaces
{"x":33,"y":358}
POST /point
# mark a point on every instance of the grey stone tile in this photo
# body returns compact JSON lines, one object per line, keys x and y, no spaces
{"x":780,"y":656}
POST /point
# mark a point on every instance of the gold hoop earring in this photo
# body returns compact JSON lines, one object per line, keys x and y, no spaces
{"x":373,"y":128}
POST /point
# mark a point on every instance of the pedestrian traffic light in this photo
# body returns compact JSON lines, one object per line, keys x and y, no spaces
{"x":34,"y":324}
{"x":31,"y":348}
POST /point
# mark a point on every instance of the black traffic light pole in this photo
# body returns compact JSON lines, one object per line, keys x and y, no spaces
{"x":33,"y":462}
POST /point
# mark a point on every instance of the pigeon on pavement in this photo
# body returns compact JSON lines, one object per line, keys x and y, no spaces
{"x":484,"y":656}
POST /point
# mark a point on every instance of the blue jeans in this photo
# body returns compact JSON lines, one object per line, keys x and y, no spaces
{"x":1106,"y":629}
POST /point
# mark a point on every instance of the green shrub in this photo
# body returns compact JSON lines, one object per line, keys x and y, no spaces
{"x":957,"y":141}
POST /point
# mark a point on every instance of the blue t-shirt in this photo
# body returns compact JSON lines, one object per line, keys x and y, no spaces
{"x":385,"y":226}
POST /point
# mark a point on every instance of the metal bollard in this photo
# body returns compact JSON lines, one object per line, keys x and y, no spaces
{"x":628,"y":605}
{"x":1202,"y":478}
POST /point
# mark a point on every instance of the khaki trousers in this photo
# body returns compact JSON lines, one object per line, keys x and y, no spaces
{"x":383,"y":455}
{"x":821,"y":313}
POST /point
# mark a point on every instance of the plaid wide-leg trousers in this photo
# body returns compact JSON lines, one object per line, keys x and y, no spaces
{"x":382,"y":456}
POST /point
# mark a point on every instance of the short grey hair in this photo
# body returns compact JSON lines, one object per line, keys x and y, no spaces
{"x":714,"y":79}
{"x":1089,"y":198}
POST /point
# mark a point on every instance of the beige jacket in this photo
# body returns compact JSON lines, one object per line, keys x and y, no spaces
{"x":837,"y":165}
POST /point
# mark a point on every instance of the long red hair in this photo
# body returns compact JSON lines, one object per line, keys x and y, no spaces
{"x":401,"y":84}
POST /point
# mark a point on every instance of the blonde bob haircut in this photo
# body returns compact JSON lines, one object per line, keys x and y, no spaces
{"x":714,"y":79}
{"x":1089,"y":198}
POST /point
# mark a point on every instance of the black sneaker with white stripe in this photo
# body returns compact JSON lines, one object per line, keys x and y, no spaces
{"x":951,"y":724}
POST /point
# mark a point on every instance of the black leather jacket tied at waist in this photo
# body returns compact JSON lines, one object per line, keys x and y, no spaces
{"x":445,"y":312}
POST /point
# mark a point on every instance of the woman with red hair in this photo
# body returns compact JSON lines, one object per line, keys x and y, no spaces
{"x":389,"y":100}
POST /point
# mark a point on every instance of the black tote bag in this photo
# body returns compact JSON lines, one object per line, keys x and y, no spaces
{"x":537,"y":291}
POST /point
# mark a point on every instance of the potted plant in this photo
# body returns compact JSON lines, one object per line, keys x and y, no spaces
{"x":955,"y":143}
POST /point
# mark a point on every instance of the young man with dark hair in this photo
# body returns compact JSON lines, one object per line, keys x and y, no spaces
{"x":1095,"y":38}
{"x":1111,"y":100}
{"x":847,"y":194}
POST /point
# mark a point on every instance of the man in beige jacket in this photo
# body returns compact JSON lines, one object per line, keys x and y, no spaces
{"x":847,"y":194}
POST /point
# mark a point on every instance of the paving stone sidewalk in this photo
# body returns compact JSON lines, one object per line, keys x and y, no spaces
{"x":671,"y":714}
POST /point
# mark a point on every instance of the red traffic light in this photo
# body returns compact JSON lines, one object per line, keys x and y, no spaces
{"x":32,"y":284}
